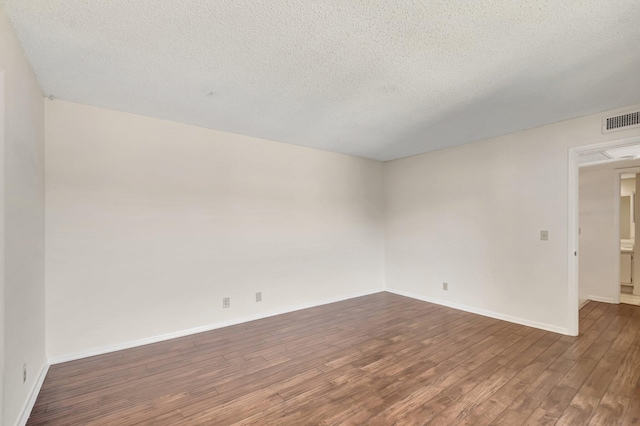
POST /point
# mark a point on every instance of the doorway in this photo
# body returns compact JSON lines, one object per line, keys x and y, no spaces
{"x":617,"y":151}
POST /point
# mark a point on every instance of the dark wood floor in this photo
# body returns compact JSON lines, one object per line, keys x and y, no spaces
{"x":377,"y":360}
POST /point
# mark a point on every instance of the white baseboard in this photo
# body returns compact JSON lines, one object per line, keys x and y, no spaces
{"x":483,"y":312}
{"x":601,"y":299}
{"x":181,"y":333}
{"x":33,"y":395}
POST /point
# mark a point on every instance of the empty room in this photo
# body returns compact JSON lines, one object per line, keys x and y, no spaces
{"x":318,"y":212}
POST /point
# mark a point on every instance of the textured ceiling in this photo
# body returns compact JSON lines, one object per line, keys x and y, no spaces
{"x":373,"y":78}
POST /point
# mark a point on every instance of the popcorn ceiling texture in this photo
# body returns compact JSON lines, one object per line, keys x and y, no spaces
{"x":374,"y":78}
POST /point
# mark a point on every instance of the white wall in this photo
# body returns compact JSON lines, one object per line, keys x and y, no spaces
{"x":472,"y":215}
{"x":597,"y":236}
{"x":150,"y":223}
{"x":24,"y":225}
{"x":2,"y":269}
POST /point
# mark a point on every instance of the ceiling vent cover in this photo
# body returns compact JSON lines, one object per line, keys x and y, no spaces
{"x":621,"y":122}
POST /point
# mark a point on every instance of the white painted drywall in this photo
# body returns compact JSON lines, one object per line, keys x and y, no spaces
{"x":472,"y":215}
{"x":24,"y":225}
{"x":597,"y":237}
{"x":1,"y":247}
{"x":150,"y":223}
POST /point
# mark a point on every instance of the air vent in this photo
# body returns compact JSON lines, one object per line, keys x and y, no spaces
{"x":621,"y":122}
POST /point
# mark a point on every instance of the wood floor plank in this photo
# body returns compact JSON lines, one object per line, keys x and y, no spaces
{"x":379,"y":360}
{"x":556,"y":402}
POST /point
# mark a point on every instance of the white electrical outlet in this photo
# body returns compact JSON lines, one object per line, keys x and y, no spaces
{"x":445,"y":286}
{"x":24,"y":373}
{"x":226,"y":302}
{"x":259,"y":296}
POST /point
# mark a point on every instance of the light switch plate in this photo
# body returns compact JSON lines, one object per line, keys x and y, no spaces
{"x":544,"y":235}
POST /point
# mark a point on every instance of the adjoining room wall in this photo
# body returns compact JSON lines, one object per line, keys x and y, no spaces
{"x":24,"y":289}
{"x":471,"y":216}
{"x":597,"y":241}
{"x":2,"y":270}
{"x":150,"y":223}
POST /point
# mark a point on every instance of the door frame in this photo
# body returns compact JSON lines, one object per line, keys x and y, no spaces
{"x":573,"y":255}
